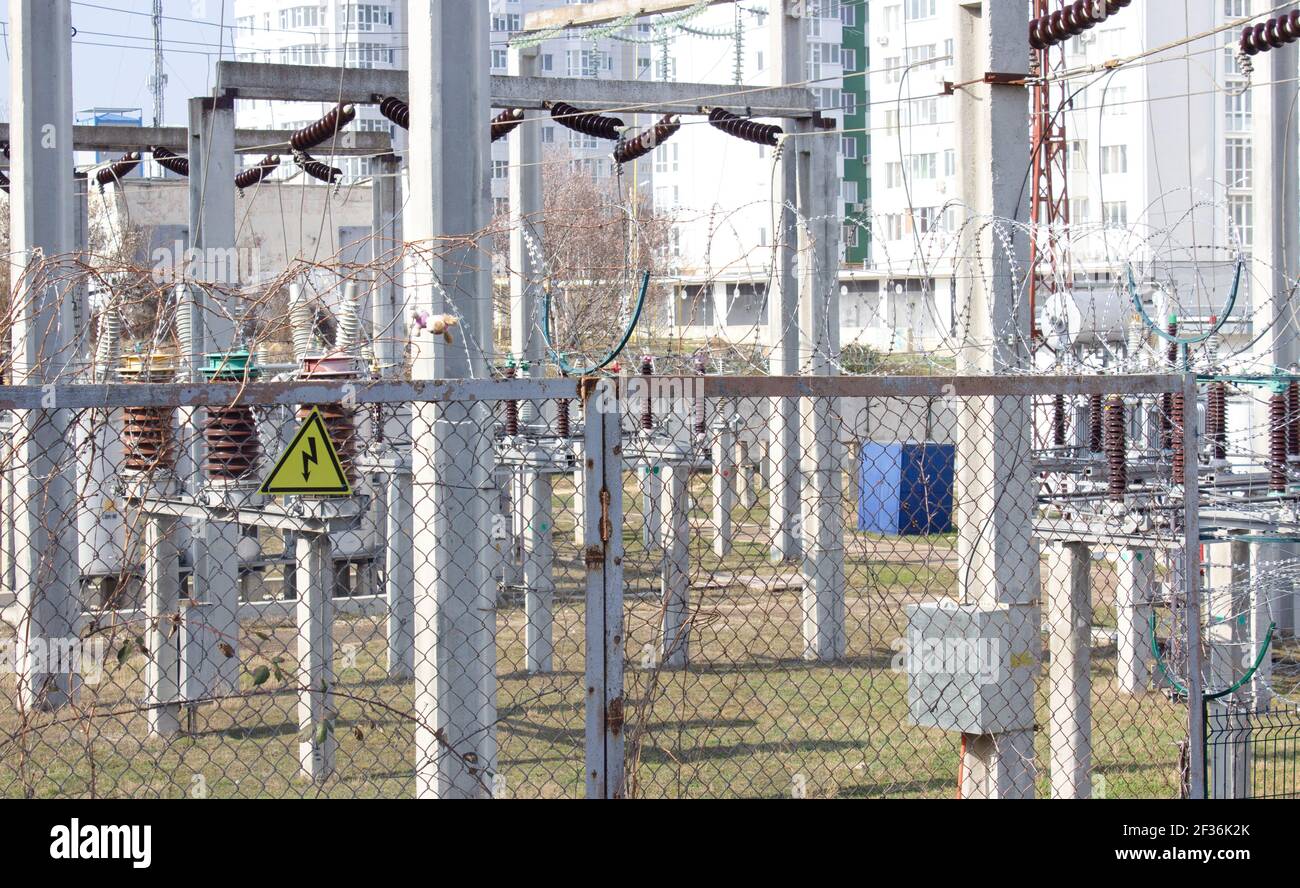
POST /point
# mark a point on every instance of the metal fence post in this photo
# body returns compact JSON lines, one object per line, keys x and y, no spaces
{"x":1192,"y":593}
{"x":603,"y":556}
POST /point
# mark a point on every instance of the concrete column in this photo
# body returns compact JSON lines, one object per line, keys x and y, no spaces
{"x":652,"y":495}
{"x":399,"y":574}
{"x":787,"y":50}
{"x":526,"y":232}
{"x":995,"y":489}
{"x":746,"y":476}
{"x":539,"y":581}
{"x":455,"y":605}
{"x":41,"y":234}
{"x":216,"y":584}
{"x":1135,"y":581}
{"x":314,"y":610}
{"x":724,"y":483}
{"x":212,"y":217}
{"x":676,"y":565}
{"x":387,"y":320}
{"x":822,"y":480}
{"x":162,"y":577}
{"x":1069,"y":630}
{"x":1229,"y":639}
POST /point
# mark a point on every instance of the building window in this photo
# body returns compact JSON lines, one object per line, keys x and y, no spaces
{"x":581,"y":63}
{"x":666,"y":157}
{"x":508,"y":22}
{"x":848,"y":147}
{"x":1116,"y":102}
{"x":893,"y":17}
{"x":849,"y":191}
{"x":849,"y":102}
{"x":848,"y":15}
{"x":923,"y":111}
{"x":499,"y":59}
{"x":893,"y":175}
{"x":922,"y":166}
{"x":1237,"y":161}
{"x":1237,"y":112}
{"x":1234,"y":9}
{"x":849,"y":59}
{"x":548,"y":135}
{"x":500,"y":169}
{"x":950,"y":162}
{"x":1079,"y":210}
{"x":1115,"y":213}
{"x":300,"y":17}
{"x":1114,"y":159}
{"x":918,"y":9}
{"x":365,"y":16}
{"x":1241,"y":211}
{"x":1076,"y":155}
{"x":367,"y":55}
{"x":302,"y":54}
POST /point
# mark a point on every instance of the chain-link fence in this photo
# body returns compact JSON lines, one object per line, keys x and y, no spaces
{"x":659,"y":586}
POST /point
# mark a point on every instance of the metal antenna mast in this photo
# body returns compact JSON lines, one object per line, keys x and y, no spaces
{"x":158,"y":82}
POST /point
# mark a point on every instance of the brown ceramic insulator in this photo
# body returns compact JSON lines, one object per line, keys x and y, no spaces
{"x":506,"y":122}
{"x":1116,"y":448}
{"x":254,"y":174}
{"x":647,"y":140}
{"x":118,"y":169}
{"x":701,"y":417}
{"x":233,"y":449}
{"x":342,"y":429}
{"x":148,"y":439}
{"x":1216,"y":416}
{"x":562,"y":427}
{"x":735,"y":125}
{"x":647,"y":405}
{"x":596,"y":125}
{"x":170,"y":160}
{"x":1277,"y":442}
{"x":324,"y":129}
{"x":512,"y":408}
{"x":1164,"y":420}
{"x":1094,"y":424}
{"x":317,"y":170}
{"x":1058,"y":420}
{"x":397,"y":111}
{"x":1176,"y":433}
{"x":1293,"y":419}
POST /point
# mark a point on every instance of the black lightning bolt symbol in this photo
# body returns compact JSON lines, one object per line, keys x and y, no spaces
{"x":309,"y":459}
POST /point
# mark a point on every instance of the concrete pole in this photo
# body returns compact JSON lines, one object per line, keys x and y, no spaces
{"x":822,"y":477}
{"x":399,"y":574}
{"x":1135,"y":580}
{"x":675,"y":570}
{"x":723,"y":481}
{"x":387,"y":320}
{"x":212,"y":230}
{"x":526,"y":231}
{"x":787,"y":49}
{"x":539,"y":562}
{"x":42,"y":229}
{"x":162,"y":568}
{"x":652,"y":495}
{"x":1229,"y":636}
{"x":1069,"y":631}
{"x":455,"y":604}
{"x":314,"y":610}
{"x":996,"y":494}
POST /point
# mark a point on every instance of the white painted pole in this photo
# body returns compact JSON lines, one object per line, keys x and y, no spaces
{"x":162,"y":603}
{"x":1135,"y":582}
{"x":526,"y":232}
{"x":314,"y":611}
{"x":400,"y":574}
{"x":42,"y":229}
{"x":1069,"y":628}
{"x":723,"y":482}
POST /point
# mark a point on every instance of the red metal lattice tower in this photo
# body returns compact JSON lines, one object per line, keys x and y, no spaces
{"x":1049,"y":209}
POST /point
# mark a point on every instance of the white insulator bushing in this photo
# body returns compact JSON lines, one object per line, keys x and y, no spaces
{"x":185,"y":328}
{"x":302,"y":321}
{"x":349,"y":319}
{"x":108,"y":349}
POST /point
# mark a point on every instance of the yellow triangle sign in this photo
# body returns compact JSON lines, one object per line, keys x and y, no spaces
{"x":310,"y":465}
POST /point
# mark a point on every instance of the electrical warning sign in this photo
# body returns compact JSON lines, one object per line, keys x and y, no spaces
{"x":310,"y":465}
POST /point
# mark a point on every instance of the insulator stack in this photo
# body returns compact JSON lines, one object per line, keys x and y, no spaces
{"x":647,"y":406}
{"x":647,"y":140}
{"x":118,"y":169}
{"x":1094,"y":424}
{"x":395,"y":110}
{"x":148,"y":439}
{"x":506,"y":122}
{"x":750,"y":131}
{"x":230,"y":433}
{"x":170,"y":160}
{"x":1116,"y":448}
{"x":1058,"y":420}
{"x":1277,"y":442}
{"x":1167,"y":399}
{"x":339,"y":421}
{"x":1293,"y":419}
{"x":1069,"y":21}
{"x":512,"y":406}
{"x":1277,"y":31}
{"x":324,"y":129}
{"x":254,"y":174}
{"x":562,"y":427}
{"x":1216,"y":419}
{"x":1179,"y":452}
{"x":318,"y":170}
{"x":701,"y":418}
{"x":597,"y":125}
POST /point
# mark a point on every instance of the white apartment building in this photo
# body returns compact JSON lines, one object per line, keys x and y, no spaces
{"x":1160,"y":149}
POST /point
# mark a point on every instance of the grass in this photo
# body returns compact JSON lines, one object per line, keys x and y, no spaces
{"x":749,"y":717}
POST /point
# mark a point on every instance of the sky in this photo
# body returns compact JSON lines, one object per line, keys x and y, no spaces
{"x":112,"y":53}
